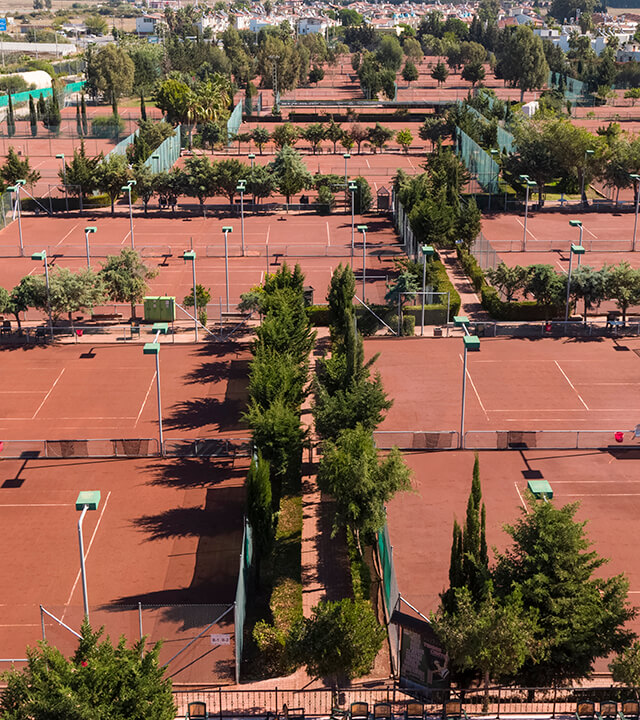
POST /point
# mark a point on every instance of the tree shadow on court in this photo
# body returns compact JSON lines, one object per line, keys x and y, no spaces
{"x":176,"y":522}
{"x":188,"y":473}
{"x":218,"y":370}
{"x":192,"y":414}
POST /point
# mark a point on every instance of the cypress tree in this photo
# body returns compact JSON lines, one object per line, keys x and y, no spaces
{"x":42,"y":109}
{"x":143,"y":109}
{"x":33,"y":117}
{"x":78,"y":121}
{"x":11,"y":122}
{"x":83,"y":113}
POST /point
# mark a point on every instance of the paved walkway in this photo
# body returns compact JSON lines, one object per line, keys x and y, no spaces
{"x":470,"y":304}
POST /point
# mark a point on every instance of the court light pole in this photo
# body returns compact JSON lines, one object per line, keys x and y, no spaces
{"x":352,"y":188}
{"x":226,"y":230}
{"x":16,"y":189}
{"x":575,"y":250}
{"x":127,"y":188}
{"x":529,"y":183}
{"x":471,"y":344}
{"x":363,"y":229}
{"x":577,"y":223}
{"x":587,"y":155}
{"x":493,"y":152}
{"x":87,"y":232}
{"x":60,"y":156}
{"x":427,"y":252}
{"x":241,"y":188}
{"x":156,"y":164}
{"x":635,"y":179}
{"x":251,"y":157}
{"x":191,"y":255}
{"x":87,"y":500}
{"x":153,"y":348}
{"x":43,"y":257}
{"x":346,"y":157}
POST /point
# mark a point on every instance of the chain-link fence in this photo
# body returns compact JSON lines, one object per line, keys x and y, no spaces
{"x":484,"y":253}
{"x":246,"y":560}
{"x":482,"y":167}
{"x":234,"y":122}
{"x":389,"y":591}
{"x":164,"y":157}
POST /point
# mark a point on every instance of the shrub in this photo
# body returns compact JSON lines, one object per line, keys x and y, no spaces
{"x":326,"y":199}
{"x":107,"y":126}
{"x":408,"y":325}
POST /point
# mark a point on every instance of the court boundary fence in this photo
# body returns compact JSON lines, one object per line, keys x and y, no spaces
{"x":125,"y":448}
{"x":390,"y":594}
{"x":240,"y":604}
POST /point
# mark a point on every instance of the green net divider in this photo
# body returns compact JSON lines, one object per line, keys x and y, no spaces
{"x":23,"y":97}
{"x":234,"y":122}
{"x":6,"y":208}
{"x":479,"y":163}
{"x":506,"y":142}
{"x":574,"y":90}
{"x":121,"y":147}
{"x":390,"y":593}
{"x":165,"y":155}
{"x":246,"y":558}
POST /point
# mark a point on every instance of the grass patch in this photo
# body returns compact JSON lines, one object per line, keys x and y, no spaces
{"x":286,"y":565}
{"x":360,"y":572}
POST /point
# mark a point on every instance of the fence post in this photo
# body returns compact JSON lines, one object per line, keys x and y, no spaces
{"x":276,"y":712}
{"x":220,"y":701}
{"x":140,"y":618}
{"x":42,"y":623}
{"x":553,"y":712}
{"x":498,"y":708}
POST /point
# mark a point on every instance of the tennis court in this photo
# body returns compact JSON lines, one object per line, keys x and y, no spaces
{"x":605,"y":483}
{"x":75,"y":392}
{"x":524,"y":385}
{"x":161,"y":551}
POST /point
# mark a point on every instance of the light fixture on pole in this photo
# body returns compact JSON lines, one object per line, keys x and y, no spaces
{"x":493,"y":152}
{"x":363,"y":229}
{"x":529,"y":184}
{"x":471,"y":344}
{"x":127,"y":188}
{"x":352,"y":188}
{"x":16,"y":189}
{"x":191,"y":255}
{"x":427,"y":252}
{"x":87,"y":232}
{"x":226,"y":230}
{"x":42,"y":256}
{"x":575,"y":250}
{"x":241,"y":188}
{"x":251,"y":157}
{"x":587,"y":155}
{"x":156,"y":163}
{"x":87,"y":500}
{"x":577,"y":223}
{"x":636,"y":179}
{"x":153,"y":348}
{"x":346,"y":157}
{"x":60,"y":156}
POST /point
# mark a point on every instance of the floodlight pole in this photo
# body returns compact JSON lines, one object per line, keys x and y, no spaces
{"x":352,"y":188}
{"x":64,"y":173}
{"x":346,"y":157}
{"x":427,"y":251}
{"x":464,"y":395}
{"x":363,"y":230}
{"x":474,"y":342}
{"x":526,"y":211}
{"x":83,"y":570}
{"x":127,"y":187}
{"x":251,"y":157}
{"x":43,"y":256}
{"x":87,"y":231}
{"x":191,"y":255}
{"x":240,"y":189}
{"x":226,"y":230}
{"x":160,"y":433}
{"x":636,"y":187}
{"x":16,"y":189}
{"x":587,"y":153}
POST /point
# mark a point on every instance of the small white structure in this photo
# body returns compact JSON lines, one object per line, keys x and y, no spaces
{"x":311,"y":25}
{"x":38,"y":78}
{"x":146,"y":24}
{"x":530,"y":109}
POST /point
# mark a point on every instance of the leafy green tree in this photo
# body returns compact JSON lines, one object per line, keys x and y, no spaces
{"x":581,"y":617}
{"x":468,"y":223}
{"x":412,"y":49}
{"x":362,"y":197}
{"x":145,"y":180}
{"x":565,"y":9}
{"x":314,"y":134}
{"x":633,"y":94}
{"x":389,"y":53}
{"x":147,"y":65}
{"x":71,"y":291}
{"x":174,"y":98}
{"x":260,"y":137}
{"x":404,"y":138}
{"x":81,"y":173}
{"x":590,"y":286}
{"x":494,"y":636}
{"x":96,"y":25}
{"x":546,"y":286}
{"x":316,"y":74}
{"x":334,"y":133}
{"x":125,"y":278}
{"x":11,"y":122}
{"x":201,"y":179}
{"x":285,"y":135}
{"x":226,"y":176}
{"x":16,"y":169}
{"x":623,"y":286}
{"x":259,"y":510}
{"x":379,"y":135}
{"x":31,"y":291}
{"x":433,"y":129}
{"x":340,"y":640}
{"x":52,"y":118}
{"x":508,"y":280}
{"x":212,"y":134}
{"x":112,"y":173}
{"x":290,"y":172}
{"x":440,"y":73}
{"x":115,"y":73}
{"x":83,"y":115}
{"x":625,"y":667}
{"x":99,"y":680}
{"x":521,"y":60}
{"x":359,"y":481}
{"x":473,"y":72}
{"x":203,"y":298}
{"x":409,"y":72}
{"x":358,"y":134}
{"x":260,"y":183}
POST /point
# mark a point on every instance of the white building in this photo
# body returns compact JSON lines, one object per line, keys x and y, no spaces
{"x":146,"y":24}
{"x":311,"y":25}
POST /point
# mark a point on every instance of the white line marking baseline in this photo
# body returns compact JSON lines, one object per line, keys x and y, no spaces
{"x":528,"y":231}
{"x":55,"y":382}
{"x":67,"y":235}
{"x":473,"y":385}
{"x":144,"y":402}
{"x":571,"y":384}
{"x":523,"y":503}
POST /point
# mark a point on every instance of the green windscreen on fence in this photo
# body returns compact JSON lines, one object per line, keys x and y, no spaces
{"x":390,"y":593}
{"x":165,"y":155}
{"x":6,"y":208}
{"x":479,"y":163}
{"x":121,"y":147}
{"x":246,"y":558}
{"x":234,"y":122}
{"x":506,"y":142}
{"x":574,"y":90}
{"x":36,"y":94}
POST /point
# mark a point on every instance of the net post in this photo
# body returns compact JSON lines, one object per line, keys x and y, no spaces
{"x":44,"y":637}
{"x":140,"y":618}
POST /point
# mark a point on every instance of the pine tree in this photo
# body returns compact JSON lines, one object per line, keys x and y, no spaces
{"x":83,"y":113}
{"x":11,"y":122}
{"x":33,"y":117}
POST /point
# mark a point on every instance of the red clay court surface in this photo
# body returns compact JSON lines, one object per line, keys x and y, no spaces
{"x":109,"y":392}
{"x":606,"y":237}
{"x":607,"y":485}
{"x":167,"y":534}
{"x":512,"y":384}
{"x":318,"y":243}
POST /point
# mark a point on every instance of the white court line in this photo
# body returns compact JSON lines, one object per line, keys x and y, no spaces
{"x":410,"y":163}
{"x":261,"y":277}
{"x":561,"y":266}
{"x":592,"y":482}
{"x":55,"y":382}
{"x":473,"y":385}
{"x":571,"y":384}
{"x":528,"y":231}
{"x":20,"y":392}
{"x":144,"y":402}
{"x":566,"y":410}
{"x":589,"y":231}
{"x":36,"y":504}
{"x":600,"y":494}
{"x":524,"y":504}
{"x":328,"y":235}
{"x":268,"y":232}
{"x":86,"y":555}
{"x":367,"y":161}
{"x":67,"y":235}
